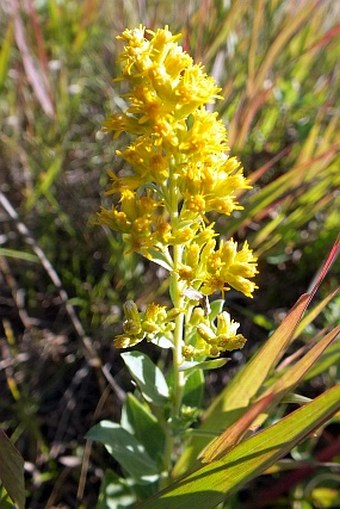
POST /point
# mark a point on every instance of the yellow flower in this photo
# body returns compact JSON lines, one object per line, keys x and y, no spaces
{"x":145,"y":49}
{"x":226,"y":265}
{"x":120,"y":123}
{"x":132,"y":327}
{"x":206,"y":135}
{"x":126,"y":341}
{"x":178,"y":171}
{"x":147,"y":159}
{"x":211,"y":270}
{"x":175,"y":133}
{"x":114,"y":219}
{"x":224,"y":338}
{"x":156,"y":322}
{"x":155,"y":57}
{"x":165,"y":86}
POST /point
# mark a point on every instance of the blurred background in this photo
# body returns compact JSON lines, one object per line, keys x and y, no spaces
{"x":63,"y":279}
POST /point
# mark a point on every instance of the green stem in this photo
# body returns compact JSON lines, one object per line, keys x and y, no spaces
{"x":178,"y":376}
{"x":178,"y":339}
{"x":178,"y":301}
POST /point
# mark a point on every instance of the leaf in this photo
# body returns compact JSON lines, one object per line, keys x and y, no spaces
{"x":19,"y":255}
{"x":231,"y":403}
{"x":231,"y":435}
{"x":209,"y":485}
{"x":5,"y":52}
{"x":288,"y":29}
{"x":216,"y":308}
{"x":293,"y":375}
{"x":193,"y":389}
{"x":329,"y":358}
{"x":162,"y":342}
{"x":148,"y":377}
{"x":210,"y":364}
{"x":34,"y":73}
{"x":47,"y":179}
{"x":275,"y":393}
{"x":114,"y":492}
{"x":12,"y":470}
{"x":126,"y":449}
{"x":144,"y":426}
{"x":163,"y":259}
{"x":313,"y":313}
{"x":225,"y":26}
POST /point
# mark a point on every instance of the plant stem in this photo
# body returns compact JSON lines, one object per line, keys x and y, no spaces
{"x":178,"y":376}
{"x":178,"y":339}
{"x":178,"y":301}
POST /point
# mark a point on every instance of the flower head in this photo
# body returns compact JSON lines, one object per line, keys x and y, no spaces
{"x":210,"y":339}
{"x":177,"y":171}
{"x":156,"y":322}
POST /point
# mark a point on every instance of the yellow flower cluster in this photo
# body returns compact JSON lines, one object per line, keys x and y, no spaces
{"x":178,"y":170}
{"x":211,"y":340}
{"x":154,"y":323}
{"x":175,"y":139}
{"x":211,"y":270}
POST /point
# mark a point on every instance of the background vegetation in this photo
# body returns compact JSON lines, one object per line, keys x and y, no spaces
{"x":63,"y":279}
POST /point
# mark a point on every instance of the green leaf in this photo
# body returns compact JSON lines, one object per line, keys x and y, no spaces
{"x":329,"y":358}
{"x":257,"y":369}
{"x":221,"y":444}
{"x":258,"y":413}
{"x":12,"y":470}
{"x":296,"y":398}
{"x":19,"y":255}
{"x":162,"y":342}
{"x":216,"y":308}
{"x":211,"y":484}
{"x":120,"y":493}
{"x":126,"y":449}
{"x":148,"y":377}
{"x":210,"y":364}
{"x":143,"y":425}
{"x":47,"y":179}
{"x":114,"y":492}
{"x":314,"y":312}
{"x":231,"y":403}
{"x":295,"y":373}
{"x":162,"y":259}
{"x":193,"y":389}
{"x":5,"y":52}
{"x":5,"y":502}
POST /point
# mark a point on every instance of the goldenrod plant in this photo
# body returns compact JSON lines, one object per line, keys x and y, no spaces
{"x":180,"y":172}
{"x":64,"y":282}
{"x":177,"y":179}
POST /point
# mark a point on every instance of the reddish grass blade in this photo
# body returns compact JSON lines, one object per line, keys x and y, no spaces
{"x":231,"y":436}
{"x":33,"y":74}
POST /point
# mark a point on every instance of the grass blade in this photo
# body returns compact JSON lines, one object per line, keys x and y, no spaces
{"x":209,"y":485}
{"x":12,"y":470}
{"x":234,"y":399}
